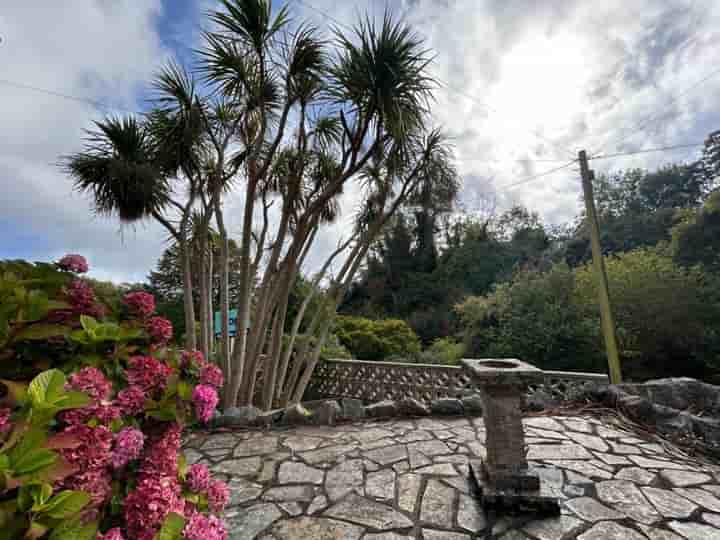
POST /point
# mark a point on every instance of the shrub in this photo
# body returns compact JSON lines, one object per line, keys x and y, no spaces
{"x":368,"y":339}
{"x":664,"y":316}
{"x":446,"y":351}
{"x":93,"y":413}
{"x":534,"y":318}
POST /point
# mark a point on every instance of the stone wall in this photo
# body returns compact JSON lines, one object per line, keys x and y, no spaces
{"x":372,"y":382}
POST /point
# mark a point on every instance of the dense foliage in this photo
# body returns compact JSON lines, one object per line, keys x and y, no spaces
{"x":665,"y":317}
{"x":377,"y":339}
{"x":94,"y":405}
{"x":507,"y":285}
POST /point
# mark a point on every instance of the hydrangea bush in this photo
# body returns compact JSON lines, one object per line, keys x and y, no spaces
{"x":92,"y":413}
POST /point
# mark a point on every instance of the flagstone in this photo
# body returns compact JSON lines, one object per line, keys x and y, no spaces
{"x":669,"y":504}
{"x":316,"y":528}
{"x":381,"y":484}
{"x":636,"y":475}
{"x":685,"y":478}
{"x":609,"y":530}
{"x":553,"y":528}
{"x":695,"y":531}
{"x":365,"y":512}
{"x":437,"y":504}
{"x":407,"y":493}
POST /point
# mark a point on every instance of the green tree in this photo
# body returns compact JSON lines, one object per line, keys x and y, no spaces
{"x":368,"y":339}
{"x":696,"y":239}
{"x":533,"y":317}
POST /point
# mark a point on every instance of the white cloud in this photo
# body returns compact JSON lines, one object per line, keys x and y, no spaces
{"x":102,"y":51}
{"x":581,"y":74}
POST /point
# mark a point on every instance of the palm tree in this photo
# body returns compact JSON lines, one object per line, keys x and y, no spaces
{"x":132,"y":168}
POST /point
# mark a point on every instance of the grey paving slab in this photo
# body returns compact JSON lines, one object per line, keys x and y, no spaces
{"x":408,"y":480}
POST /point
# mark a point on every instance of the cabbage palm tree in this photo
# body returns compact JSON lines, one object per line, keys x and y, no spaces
{"x":132,"y":168}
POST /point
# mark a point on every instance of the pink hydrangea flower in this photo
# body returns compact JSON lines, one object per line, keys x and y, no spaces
{"x":205,"y":399}
{"x":131,"y":400}
{"x":5,"y":424}
{"x":73,"y":263}
{"x":113,"y":534}
{"x":148,"y":373}
{"x":95,"y":482}
{"x":201,"y":527}
{"x":104,"y":414}
{"x":147,"y":506}
{"x":92,"y":382}
{"x":128,"y":446}
{"x":140,"y":303}
{"x":218,"y":495}
{"x":161,"y":454}
{"x":93,"y":450}
{"x":212,"y":375}
{"x":198,"y":478}
{"x":189,"y":359}
{"x":81,"y":297}
{"x":160,"y":330}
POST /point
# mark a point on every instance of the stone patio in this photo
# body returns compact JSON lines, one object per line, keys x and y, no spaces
{"x":408,"y":479}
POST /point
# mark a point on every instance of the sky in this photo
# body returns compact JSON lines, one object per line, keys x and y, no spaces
{"x":523,"y":86}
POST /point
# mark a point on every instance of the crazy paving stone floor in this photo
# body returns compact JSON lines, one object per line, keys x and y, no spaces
{"x":408,"y":479}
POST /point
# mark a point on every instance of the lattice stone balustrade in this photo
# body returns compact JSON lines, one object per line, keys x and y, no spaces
{"x":378,"y":381}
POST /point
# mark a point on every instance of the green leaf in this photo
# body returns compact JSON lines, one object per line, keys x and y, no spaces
{"x":74,"y":530}
{"x":172,"y":528}
{"x":88,"y":323}
{"x":33,"y":461}
{"x":37,"y":332}
{"x":184,"y":390}
{"x":165,"y":414}
{"x":47,"y":387}
{"x":37,"y":306}
{"x":72,"y":400}
{"x":66,"y":504}
{"x":44,"y":493}
{"x":24,"y":498}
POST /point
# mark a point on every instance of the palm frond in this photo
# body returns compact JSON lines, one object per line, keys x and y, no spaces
{"x":118,"y":170}
{"x":250,"y":22}
{"x":383,"y":72}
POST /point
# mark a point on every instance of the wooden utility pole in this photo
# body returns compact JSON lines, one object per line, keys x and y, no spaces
{"x":608,"y":323}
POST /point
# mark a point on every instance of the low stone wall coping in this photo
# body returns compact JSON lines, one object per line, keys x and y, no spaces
{"x":379,"y":381}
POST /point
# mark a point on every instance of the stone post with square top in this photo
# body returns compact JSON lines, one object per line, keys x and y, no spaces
{"x":504,"y":478}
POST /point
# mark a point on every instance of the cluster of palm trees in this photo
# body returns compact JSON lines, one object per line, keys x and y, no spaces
{"x":284,"y":120}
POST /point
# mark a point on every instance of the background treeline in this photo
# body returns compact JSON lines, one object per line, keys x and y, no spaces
{"x":505,"y":284}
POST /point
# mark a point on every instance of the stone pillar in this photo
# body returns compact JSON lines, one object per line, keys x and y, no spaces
{"x":504,"y":436}
{"x":504,"y":478}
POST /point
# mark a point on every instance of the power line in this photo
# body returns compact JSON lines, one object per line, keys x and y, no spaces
{"x":648,"y":150}
{"x":528,"y":160}
{"x":655,"y":117}
{"x":539,"y":175}
{"x":97,"y":104}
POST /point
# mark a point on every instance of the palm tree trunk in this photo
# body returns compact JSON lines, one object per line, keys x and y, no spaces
{"x":211,"y":291}
{"x":285,"y":362}
{"x":224,"y":349}
{"x":189,"y":304}
{"x":243,"y":311}
{"x":202,"y":281}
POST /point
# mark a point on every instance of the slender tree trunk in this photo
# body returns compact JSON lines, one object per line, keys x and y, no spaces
{"x":262,"y":314}
{"x":189,"y":304}
{"x":224,"y":345}
{"x":287,"y":353}
{"x":243,"y":311}
{"x":211,"y":291}
{"x":202,"y":283}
